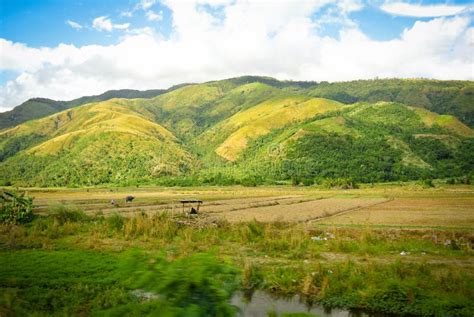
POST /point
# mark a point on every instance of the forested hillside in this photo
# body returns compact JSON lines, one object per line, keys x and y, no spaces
{"x":443,"y":97}
{"x":250,"y":130}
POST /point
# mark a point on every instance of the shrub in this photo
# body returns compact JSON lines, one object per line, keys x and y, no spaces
{"x":62,"y":214}
{"x":15,"y":207}
{"x":466,"y":180}
{"x":251,"y":181}
{"x":199,"y":285}
{"x":307,"y":181}
{"x":427,"y":183}
{"x":451,"y":181}
{"x":341,"y":183}
{"x":116,"y":222}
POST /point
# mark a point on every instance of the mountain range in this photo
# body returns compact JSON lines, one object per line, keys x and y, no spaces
{"x":246,"y":130}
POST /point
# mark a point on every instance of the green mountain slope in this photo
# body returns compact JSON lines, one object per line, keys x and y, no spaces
{"x":444,"y":97}
{"x":241,"y":130}
{"x":193,"y":109}
{"x":234,"y":133}
{"x":368,"y":142}
{"x":97,"y":143}
{"x":41,"y":107}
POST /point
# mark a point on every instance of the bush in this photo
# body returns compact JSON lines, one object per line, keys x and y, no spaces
{"x":116,"y":222}
{"x":251,"y":181}
{"x":427,"y":183}
{"x":62,"y":214}
{"x":15,"y":208}
{"x":466,"y":180}
{"x":199,"y":285}
{"x":295,"y":181}
{"x":451,"y":181}
{"x":340,"y":183}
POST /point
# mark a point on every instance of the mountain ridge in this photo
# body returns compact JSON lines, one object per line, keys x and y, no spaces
{"x":35,"y":108}
{"x":442,"y":96}
{"x":234,"y":131}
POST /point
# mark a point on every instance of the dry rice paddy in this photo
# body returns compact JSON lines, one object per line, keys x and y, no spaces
{"x":446,"y":212}
{"x":450,"y":206}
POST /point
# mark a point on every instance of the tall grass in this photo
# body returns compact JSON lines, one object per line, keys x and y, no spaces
{"x":280,"y":257}
{"x":62,"y":214}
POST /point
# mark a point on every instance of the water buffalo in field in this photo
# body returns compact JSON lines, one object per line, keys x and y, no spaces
{"x":129,"y":199}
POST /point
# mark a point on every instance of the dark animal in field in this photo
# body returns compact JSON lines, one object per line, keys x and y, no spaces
{"x":193,"y":211}
{"x":129,"y":199}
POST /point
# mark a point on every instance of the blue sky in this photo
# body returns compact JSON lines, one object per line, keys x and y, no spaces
{"x":43,"y":23}
{"x":142,"y":44}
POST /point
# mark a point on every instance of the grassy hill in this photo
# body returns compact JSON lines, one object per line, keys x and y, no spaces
{"x":261,"y":119}
{"x":36,"y":108}
{"x":97,"y":143}
{"x":244,"y":130}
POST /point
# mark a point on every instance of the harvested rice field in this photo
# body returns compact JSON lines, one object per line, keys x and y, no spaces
{"x":387,"y":205}
{"x":445,"y":212}
{"x":298,"y":211}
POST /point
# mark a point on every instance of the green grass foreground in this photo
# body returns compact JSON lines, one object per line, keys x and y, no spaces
{"x":70,"y":263}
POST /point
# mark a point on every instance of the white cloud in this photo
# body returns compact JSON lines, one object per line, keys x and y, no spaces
{"x":422,"y":11}
{"x":149,"y":31}
{"x":123,"y":26}
{"x":74,"y":25}
{"x":152,"y":16}
{"x":258,"y":38}
{"x":350,"y":5}
{"x":127,"y":14}
{"x":103,"y":23}
{"x":146,"y":4}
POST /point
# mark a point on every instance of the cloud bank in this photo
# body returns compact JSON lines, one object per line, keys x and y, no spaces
{"x":236,"y":38}
{"x":427,"y":11}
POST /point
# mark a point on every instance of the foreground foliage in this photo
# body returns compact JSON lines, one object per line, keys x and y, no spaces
{"x":15,"y":208}
{"x":72,"y":263}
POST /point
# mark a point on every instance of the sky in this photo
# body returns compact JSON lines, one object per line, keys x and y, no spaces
{"x":64,"y":49}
